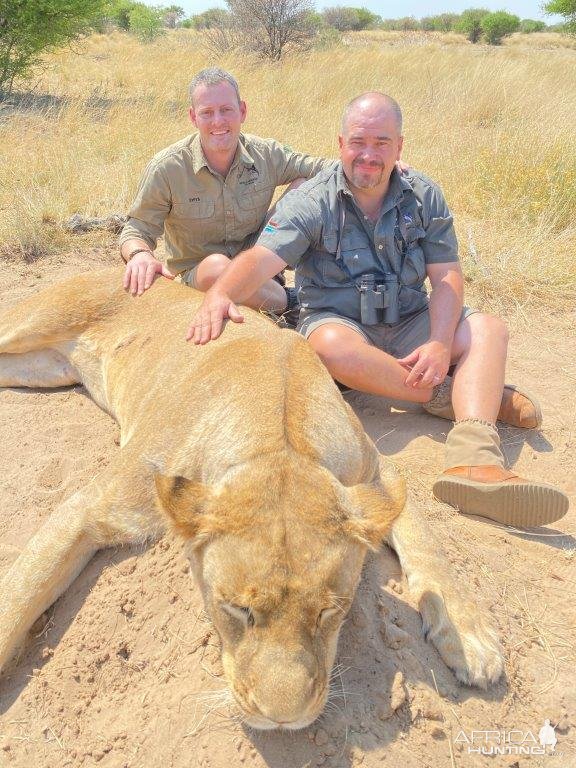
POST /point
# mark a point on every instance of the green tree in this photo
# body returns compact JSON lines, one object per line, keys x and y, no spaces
{"x":367,"y":19}
{"x":498,"y":25}
{"x":30,"y":29}
{"x":470,"y":23}
{"x":528,"y":26}
{"x":213,"y":17}
{"x":566,"y":8}
{"x":145,"y":22}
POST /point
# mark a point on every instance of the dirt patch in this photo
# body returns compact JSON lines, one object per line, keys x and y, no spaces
{"x":124,"y":671}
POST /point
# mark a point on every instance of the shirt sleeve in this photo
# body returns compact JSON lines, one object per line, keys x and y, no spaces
{"x":439,"y":244}
{"x":288,"y":165}
{"x":295,"y":225}
{"x":148,"y":211}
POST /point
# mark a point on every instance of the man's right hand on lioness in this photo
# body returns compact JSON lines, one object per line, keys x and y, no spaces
{"x":141,"y":271}
{"x":208,"y":322}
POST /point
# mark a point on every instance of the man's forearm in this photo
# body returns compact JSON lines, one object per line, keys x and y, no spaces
{"x":446,"y":308}
{"x":133,"y":244}
{"x":248,"y":272}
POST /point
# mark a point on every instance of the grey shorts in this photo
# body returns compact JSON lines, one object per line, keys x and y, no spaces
{"x":396,"y":340}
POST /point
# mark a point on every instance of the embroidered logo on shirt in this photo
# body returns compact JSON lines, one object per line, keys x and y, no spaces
{"x":271,"y":226}
{"x":193,"y":199}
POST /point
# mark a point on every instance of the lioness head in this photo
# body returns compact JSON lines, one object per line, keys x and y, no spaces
{"x":278,"y":550}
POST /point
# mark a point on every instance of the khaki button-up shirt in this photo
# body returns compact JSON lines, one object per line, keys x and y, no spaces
{"x":199,"y":211}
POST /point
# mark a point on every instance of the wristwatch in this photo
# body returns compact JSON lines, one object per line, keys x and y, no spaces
{"x":138,"y":250}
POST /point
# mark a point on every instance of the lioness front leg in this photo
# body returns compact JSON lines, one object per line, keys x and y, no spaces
{"x":101,"y":515}
{"x":454,"y":621}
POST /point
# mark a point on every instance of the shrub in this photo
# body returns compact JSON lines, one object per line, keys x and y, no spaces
{"x":470,"y":23}
{"x":498,"y":25}
{"x":30,"y":29}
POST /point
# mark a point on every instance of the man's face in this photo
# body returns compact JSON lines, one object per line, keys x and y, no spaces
{"x":218,"y":116}
{"x":369,"y":147}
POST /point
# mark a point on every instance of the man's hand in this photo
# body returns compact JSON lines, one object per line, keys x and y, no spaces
{"x":141,"y":271}
{"x":402,"y":167}
{"x":428,"y":365}
{"x":208,"y":321}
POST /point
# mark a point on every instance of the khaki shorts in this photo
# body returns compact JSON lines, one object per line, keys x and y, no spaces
{"x":189,"y":276}
{"x":396,"y":340}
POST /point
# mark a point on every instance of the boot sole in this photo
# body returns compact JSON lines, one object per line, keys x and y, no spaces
{"x":524,"y":505}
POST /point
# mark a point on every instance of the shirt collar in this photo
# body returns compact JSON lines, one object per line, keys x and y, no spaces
{"x":398,"y":186}
{"x":199,"y":160}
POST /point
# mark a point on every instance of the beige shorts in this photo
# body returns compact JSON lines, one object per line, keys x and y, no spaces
{"x":396,"y":340}
{"x":189,"y":276}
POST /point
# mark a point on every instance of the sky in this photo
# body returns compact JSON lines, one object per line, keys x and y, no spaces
{"x":526,"y":9}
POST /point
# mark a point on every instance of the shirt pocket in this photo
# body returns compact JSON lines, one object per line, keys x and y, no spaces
{"x":330,"y":272}
{"x":257,"y":198}
{"x":197,"y":209}
{"x":413,"y":262}
{"x":357,"y":254}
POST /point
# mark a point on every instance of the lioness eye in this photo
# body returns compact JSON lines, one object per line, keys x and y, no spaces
{"x":241,"y":612}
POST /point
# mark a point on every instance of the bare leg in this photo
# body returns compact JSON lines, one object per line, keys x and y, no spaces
{"x":479,"y":350}
{"x":271,"y":296}
{"x":357,"y":364}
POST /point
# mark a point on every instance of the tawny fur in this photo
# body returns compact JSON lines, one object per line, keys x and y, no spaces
{"x":247,"y":448}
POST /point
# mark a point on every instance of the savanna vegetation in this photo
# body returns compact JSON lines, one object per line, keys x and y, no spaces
{"x":494,"y":126}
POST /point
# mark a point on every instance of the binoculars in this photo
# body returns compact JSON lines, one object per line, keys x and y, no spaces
{"x":379,"y":303}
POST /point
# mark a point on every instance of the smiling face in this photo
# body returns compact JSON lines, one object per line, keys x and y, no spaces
{"x":218,"y":116}
{"x":370,"y":143}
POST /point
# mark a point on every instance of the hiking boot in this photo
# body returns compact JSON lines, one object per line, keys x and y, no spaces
{"x":518,"y":408}
{"x":500,"y":495}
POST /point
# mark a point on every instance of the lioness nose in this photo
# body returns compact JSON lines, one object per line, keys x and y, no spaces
{"x":286,"y":692}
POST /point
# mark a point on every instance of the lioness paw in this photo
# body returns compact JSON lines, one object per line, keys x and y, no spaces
{"x":465,"y":639}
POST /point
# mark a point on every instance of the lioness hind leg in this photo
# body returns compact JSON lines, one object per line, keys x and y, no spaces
{"x":101,"y":515}
{"x":459,"y":628}
{"x":40,"y":368}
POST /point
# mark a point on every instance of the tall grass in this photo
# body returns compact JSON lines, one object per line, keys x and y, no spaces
{"x":494,"y":126}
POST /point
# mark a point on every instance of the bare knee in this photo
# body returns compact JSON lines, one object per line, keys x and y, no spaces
{"x":479,"y":329}
{"x":209,"y":270}
{"x":331,"y":344}
{"x":490,"y":327}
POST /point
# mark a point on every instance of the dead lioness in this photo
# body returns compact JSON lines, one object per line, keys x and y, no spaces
{"x":247,"y":448}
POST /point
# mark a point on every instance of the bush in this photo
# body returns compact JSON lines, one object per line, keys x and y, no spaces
{"x":528,"y":26}
{"x":145,"y":22}
{"x":213,"y":17}
{"x":498,"y":25}
{"x":470,"y":23}
{"x":29,"y":29}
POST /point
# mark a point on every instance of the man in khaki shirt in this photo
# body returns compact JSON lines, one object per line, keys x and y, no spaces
{"x":209,"y":195}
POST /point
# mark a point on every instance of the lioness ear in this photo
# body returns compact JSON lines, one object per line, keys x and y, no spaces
{"x":372,"y":510}
{"x":182,"y":500}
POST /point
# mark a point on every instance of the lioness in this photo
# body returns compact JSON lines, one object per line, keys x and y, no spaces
{"x":248,"y":449}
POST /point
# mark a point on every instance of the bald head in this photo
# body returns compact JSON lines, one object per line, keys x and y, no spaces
{"x":372,"y":104}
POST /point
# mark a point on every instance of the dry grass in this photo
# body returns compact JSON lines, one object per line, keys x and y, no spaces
{"x":494,"y":126}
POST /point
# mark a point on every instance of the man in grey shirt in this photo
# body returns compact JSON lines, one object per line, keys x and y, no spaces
{"x":209,"y":194}
{"x":363,"y":240}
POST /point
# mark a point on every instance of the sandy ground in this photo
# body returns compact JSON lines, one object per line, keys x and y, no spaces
{"x":116,"y":673}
